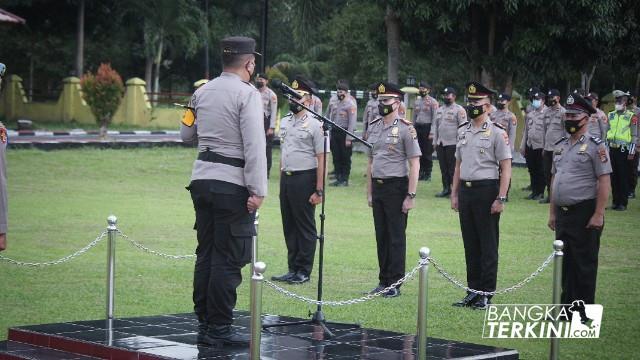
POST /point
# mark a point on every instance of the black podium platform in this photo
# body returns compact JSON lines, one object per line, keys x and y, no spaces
{"x":174,"y":337}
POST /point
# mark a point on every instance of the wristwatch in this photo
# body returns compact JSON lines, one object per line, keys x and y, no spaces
{"x":320,"y":193}
{"x":411,"y":195}
{"x":502,"y":199}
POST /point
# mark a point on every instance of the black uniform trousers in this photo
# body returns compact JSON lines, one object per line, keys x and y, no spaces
{"x":547,"y":164}
{"x":426,"y":147}
{"x":480,"y":232}
{"x":581,"y":247}
{"x":633,"y":172}
{"x":269,"y":143}
{"x":224,"y":229}
{"x":535,"y":166}
{"x":447,"y":159}
{"x":619,"y":176}
{"x":341,"y":154}
{"x":387,"y":196}
{"x":298,"y":219}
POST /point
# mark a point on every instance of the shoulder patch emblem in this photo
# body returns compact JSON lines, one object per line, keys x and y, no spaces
{"x":602,"y":153}
{"x":3,"y":134}
{"x":412,"y":131}
{"x":505,"y":137}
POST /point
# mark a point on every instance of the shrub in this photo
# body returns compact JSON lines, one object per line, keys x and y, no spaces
{"x":103,"y":92}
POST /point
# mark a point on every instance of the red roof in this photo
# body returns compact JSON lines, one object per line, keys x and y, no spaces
{"x":6,"y":16}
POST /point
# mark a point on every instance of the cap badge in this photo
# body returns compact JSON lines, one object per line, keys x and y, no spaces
{"x":381,"y":89}
{"x":472,"y":89}
{"x":294,"y":84}
{"x":570,"y":100}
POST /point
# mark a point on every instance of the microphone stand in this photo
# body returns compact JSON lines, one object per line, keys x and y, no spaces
{"x":318,"y":318}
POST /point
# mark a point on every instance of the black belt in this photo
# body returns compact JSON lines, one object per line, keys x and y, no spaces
{"x":299,"y":172}
{"x":478,"y":183}
{"x":582,"y":203}
{"x":390,"y":180}
{"x":210,"y":156}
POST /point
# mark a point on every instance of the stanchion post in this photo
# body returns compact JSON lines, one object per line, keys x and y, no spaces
{"x":112,"y":232}
{"x":422,"y":304}
{"x":256,"y":309}
{"x":558,"y":245}
{"x":254,"y":242}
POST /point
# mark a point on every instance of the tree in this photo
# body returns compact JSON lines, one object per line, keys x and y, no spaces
{"x":103,"y":93}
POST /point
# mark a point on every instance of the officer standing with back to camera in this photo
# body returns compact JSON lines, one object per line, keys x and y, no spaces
{"x":553,"y":131}
{"x":392,"y":179}
{"x":301,"y":183}
{"x":344,"y":113}
{"x":444,"y":134}
{"x":423,"y":113}
{"x":270,"y":107}
{"x":481,"y":182}
{"x":621,"y":137}
{"x":228,"y":185}
{"x":579,"y":194}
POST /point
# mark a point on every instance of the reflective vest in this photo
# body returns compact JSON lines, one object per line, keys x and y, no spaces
{"x":620,"y":130}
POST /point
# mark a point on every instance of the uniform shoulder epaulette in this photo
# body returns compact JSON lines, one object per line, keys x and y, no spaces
{"x":498,"y":125}
{"x":463,"y":124}
{"x":375,"y":120}
{"x":561,"y":140}
{"x":596,"y":140}
{"x":406,"y":122}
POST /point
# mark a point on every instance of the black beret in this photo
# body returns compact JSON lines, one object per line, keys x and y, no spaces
{"x":238,"y":45}
{"x":262,"y":76}
{"x":576,"y":104}
{"x":553,"y":92}
{"x":449,"y":90}
{"x":342,"y":85}
{"x":504,"y":96}
{"x":424,"y":84}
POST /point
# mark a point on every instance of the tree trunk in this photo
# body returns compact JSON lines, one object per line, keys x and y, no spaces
{"x":148,"y":72}
{"x":206,"y":41}
{"x":487,"y":75}
{"x":104,"y":122}
{"x":392,"y":23}
{"x":158,"y":63}
{"x":638,"y":83}
{"x":473,"y":74}
{"x":80,"y":40}
{"x":508,"y":83}
{"x":587,"y":88}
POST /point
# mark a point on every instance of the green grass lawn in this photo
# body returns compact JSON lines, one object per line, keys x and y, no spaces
{"x":59,"y":202}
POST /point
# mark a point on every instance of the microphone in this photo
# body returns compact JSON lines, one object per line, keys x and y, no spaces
{"x":285,"y":89}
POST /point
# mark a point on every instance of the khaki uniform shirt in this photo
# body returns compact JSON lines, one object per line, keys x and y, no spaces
{"x":636,"y":110}
{"x":230,"y":122}
{"x":576,"y":169}
{"x":424,"y":110}
{"x":370,"y":113}
{"x":3,"y":181}
{"x":508,"y":121}
{"x":344,"y":113}
{"x":445,"y":124}
{"x":553,"y":126}
{"x":270,"y":105}
{"x":533,"y":135}
{"x":480,"y":151}
{"x":301,"y":141}
{"x":598,"y":125}
{"x":393,"y":145}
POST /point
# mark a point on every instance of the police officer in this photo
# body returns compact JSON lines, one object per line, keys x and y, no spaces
{"x":553,"y":131}
{"x":344,"y":114}
{"x":532,"y":145}
{"x":579,"y":193}
{"x":622,"y":138}
{"x":3,"y":176}
{"x":301,"y":183}
{"x":270,"y":108}
{"x":424,"y":111}
{"x":505,"y":118}
{"x":370,"y":112}
{"x":443,"y":133}
{"x":228,"y":184}
{"x":598,"y":122}
{"x":392,"y":179}
{"x":480,"y":185}
{"x":633,"y":163}
{"x":316,"y":102}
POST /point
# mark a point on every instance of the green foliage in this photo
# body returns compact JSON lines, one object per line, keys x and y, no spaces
{"x":103,"y":92}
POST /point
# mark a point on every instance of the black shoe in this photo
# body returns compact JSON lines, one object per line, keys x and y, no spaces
{"x":427,"y":178}
{"x":538,"y":197}
{"x":443,"y":193}
{"x":544,"y":201}
{"x":620,"y":208}
{"x":202,"y":332}
{"x":336,"y":183}
{"x":632,"y":195}
{"x":219,"y":335}
{"x":526,"y":188}
{"x":391,"y":293}
{"x":284,"y":277}
{"x":378,"y":288}
{"x":481,"y":303}
{"x":466,"y":301}
{"x":298,"y":278}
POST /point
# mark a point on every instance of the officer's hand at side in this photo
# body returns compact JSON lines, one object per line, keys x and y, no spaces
{"x":596,"y":221}
{"x":369,"y":200}
{"x":552,"y":222}
{"x":254,"y":202}
{"x":454,"y":202}
{"x":631,"y":157}
{"x":523,"y":152}
{"x":315,"y":199}
{"x":347,"y":143}
{"x":430,"y":137}
{"x":269,"y":132}
{"x":3,"y":241}
{"x":497,"y":207}
{"x":408,"y":204}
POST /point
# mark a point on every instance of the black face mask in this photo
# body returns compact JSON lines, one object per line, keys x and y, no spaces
{"x":374,"y":96}
{"x":572,"y":126}
{"x":340,"y":97}
{"x":475,"y":110}
{"x":385,"y":110}
{"x":552,"y":102}
{"x":629,"y":102}
{"x":259,"y":84}
{"x":295,"y":108}
{"x":500,"y":106}
{"x":423,"y":93}
{"x":448,"y":101}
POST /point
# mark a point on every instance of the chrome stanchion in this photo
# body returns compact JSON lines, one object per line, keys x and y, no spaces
{"x":558,"y":245}
{"x":422,"y":304}
{"x":256,"y":309}
{"x":254,"y":242}
{"x":112,"y":232}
